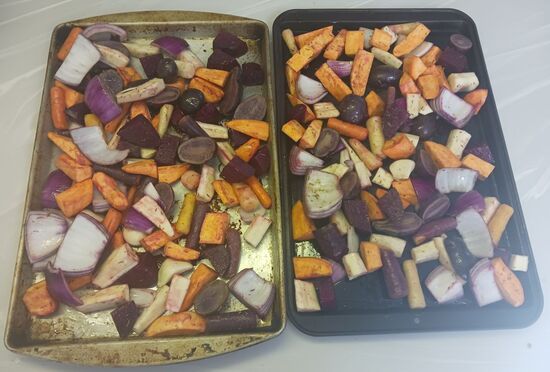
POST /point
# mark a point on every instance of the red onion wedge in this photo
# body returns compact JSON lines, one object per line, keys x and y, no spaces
{"x":56,"y":182}
{"x":471,"y":199}
{"x":81,"y":58}
{"x":253,"y":291}
{"x":455,"y":180}
{"x":475,"y":233}
{"x":322,"y":194}
{"x":42,"y":264}
{"x":444,"y":285}
{"x":82,"y":247}
{"x":483,"y":283}
{"x":136,"y":221}
{"x":309,"y":91}
{"x":142,"y":297}
{"x":338,"y":272}
{"x":121,"y":260}
{"x":105,"y":28}
{"x":99,"y":204}
{"x":100,"y":100}
{"x":151,"y":191}
{"x":171,"y":45}
{"x":300,"y":161}
{"x":44,"y":233}
{"x":340,"y":68}
{"x":150,"y":209}
{"x":90,"y":141}
{"x":452,"y":108}
{"x":58,"y":287}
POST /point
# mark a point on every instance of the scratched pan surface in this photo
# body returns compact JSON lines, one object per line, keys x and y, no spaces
{"x":363,"y":304}
{"x":73,"y":337}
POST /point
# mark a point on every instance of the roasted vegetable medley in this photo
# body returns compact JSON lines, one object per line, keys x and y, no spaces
{"x":161,"y":165}
{"x":378,"y":122}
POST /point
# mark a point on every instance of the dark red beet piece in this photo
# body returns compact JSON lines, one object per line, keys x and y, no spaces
{"x":125,"y":317}
{"x":232,"y":92}
{"x":391,"y":205}
{"x":118,"y":174}
{"x":330,"y":243}
{"x":77,"y":112}
{"x":168,"y":150}
{"x":143,"y":275}
{"x":221,"y":61}
{"x":325,"y":293}
{"x":237,"y":170}
{"x":253,"y":74}
{"x":150,"y":64}
{"x":261,"y":161}
{"x":135,"y":151}
{"x":453,"y":61}
{"x":218,"y":256}
{"x":177,"y":114}
{"x":189,"y":126}
{"x":140,"y":132}
{"x":230,"y":44}
{"x":208,"y":113}
{"x":356,"y":213}
{"x":395,"y":117}
{"x":237,"y":138}
{"x":297,"y":112}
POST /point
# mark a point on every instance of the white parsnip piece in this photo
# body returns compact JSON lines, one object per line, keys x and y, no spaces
{"x":415,"y":298}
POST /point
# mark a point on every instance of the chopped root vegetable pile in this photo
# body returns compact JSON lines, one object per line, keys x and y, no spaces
{"x":377,"y":126}
{"x":137,"y":214}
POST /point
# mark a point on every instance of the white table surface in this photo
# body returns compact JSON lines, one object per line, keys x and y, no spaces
{"x":516,"y":41}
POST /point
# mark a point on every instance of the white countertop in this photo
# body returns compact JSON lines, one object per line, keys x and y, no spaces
{"x":515,"y":37}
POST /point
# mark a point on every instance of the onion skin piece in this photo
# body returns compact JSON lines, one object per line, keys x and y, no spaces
{"x":59,"y":288}
{"x":171,"y":44}
{"x":97,"y":28}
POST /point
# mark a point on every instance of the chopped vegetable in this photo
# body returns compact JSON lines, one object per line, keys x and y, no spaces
{"x":257,"y":229}
{"x":353,"y":265}
{"x":415,"y":297}
{"x":311,"y":267}
{"x":153,"y":311}
{"x":444,"y":285}
{"x":306,"y":296}
{"x":255,"y":292}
